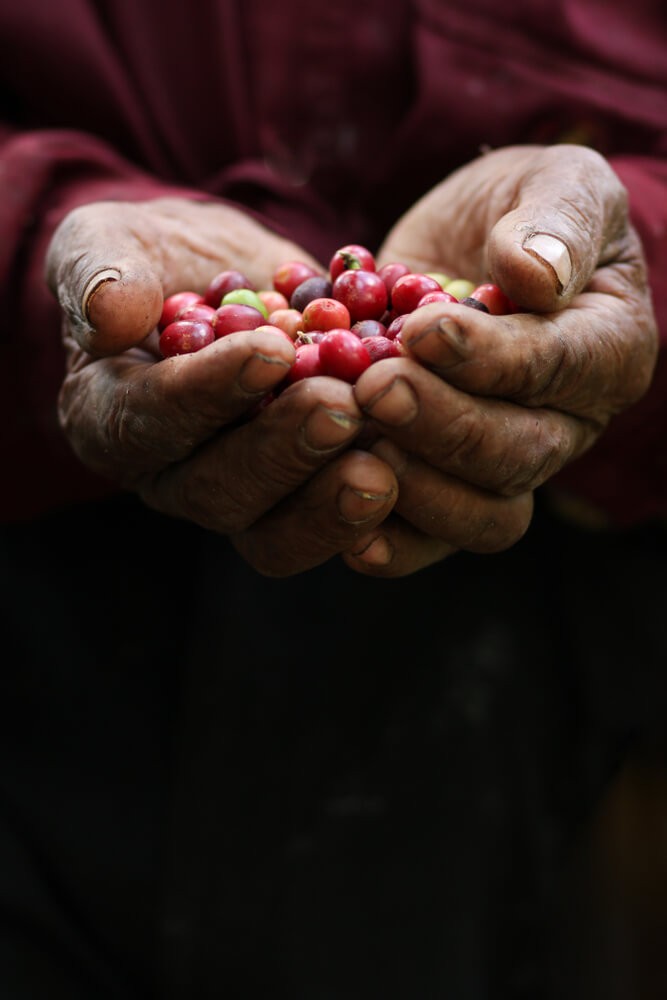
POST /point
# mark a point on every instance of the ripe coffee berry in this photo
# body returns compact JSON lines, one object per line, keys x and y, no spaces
{"x":409,"y":289}
{"x":185,"y":336}
{"x":338,"y":334}
{"x":363,"y":292}
{"x":325,"y":314}
{"x":390,"y":273}
{"x":380,"y":347}
{"x":272,"y":299}
{"x":351,"y":257}
{"x":287,"y":276}
{"x":395,"y":327}
{"x":493,"y":298}
{"x":224,"y":282}
{"x":289,"y":320}
{"x":234,"y":317}
{"x":441,"y":296}
{"x":307,"y":363}
{"x":369,"y":328}
{"x":343,"y":355}
{"x":197,"y":311}
{"x":175,"y":304}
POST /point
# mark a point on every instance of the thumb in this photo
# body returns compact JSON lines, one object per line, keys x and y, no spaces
{"x":104,"y":280}
{"x":570,"y":208}
{"x":120,"y":306}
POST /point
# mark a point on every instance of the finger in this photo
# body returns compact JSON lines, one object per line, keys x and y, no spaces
{"x":129,"y":416}
{"x":454,"y":511}
{"x":493,"y":444}
{"x":395,"y":548}
{"x":350,"y":496}
{"x":570,"y":214}
{"x":592,"y":359}
{"x":433,"y":519}
{"x":239,"y":475}
{"x":105,"y":277}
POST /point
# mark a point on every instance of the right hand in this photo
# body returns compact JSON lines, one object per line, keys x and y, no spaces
{"x":286,"y":486}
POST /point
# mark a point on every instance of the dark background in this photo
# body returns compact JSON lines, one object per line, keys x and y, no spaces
{"x":328,"y":787}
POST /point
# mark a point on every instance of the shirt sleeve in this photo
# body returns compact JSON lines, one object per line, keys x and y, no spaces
{"x":623,"y":478}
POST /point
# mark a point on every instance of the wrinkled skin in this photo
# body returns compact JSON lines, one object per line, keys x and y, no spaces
{"x":480,"y":412}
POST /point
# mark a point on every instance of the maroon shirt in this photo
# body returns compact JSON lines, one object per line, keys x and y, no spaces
{"x":329,"y":120}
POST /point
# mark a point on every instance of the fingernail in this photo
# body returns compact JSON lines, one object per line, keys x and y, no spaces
{"x":552,"y":252}
{"x":375,"y":552}
{"x":261,"y":372}
{"x":396,"y":404}
{"x":359,"y":506}
{"x":446,"y":331}
{"x":94,"y":285}
{"x":325,"y":429}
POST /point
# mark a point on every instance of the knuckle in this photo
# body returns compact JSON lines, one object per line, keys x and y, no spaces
{"x":228,"y":492}
{"x":638,"y":380}
{"x":507,"y":526}
{"x":542,"y":455}
{"x":464,"y":438}
{"x":207,"y":502}
{"x":264,"y":556}
{"x":551,"y":377}
{"x":510,"y":460}
{"x":628,"y":367}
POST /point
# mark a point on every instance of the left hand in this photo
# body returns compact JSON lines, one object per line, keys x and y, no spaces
{"x":490,"y":407}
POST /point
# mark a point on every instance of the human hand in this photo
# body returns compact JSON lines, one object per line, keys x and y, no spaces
{"x":286,"y":486}
{"x":496,"y":405}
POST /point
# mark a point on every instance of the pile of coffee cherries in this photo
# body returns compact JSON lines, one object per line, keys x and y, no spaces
{"x":340,"y":322}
